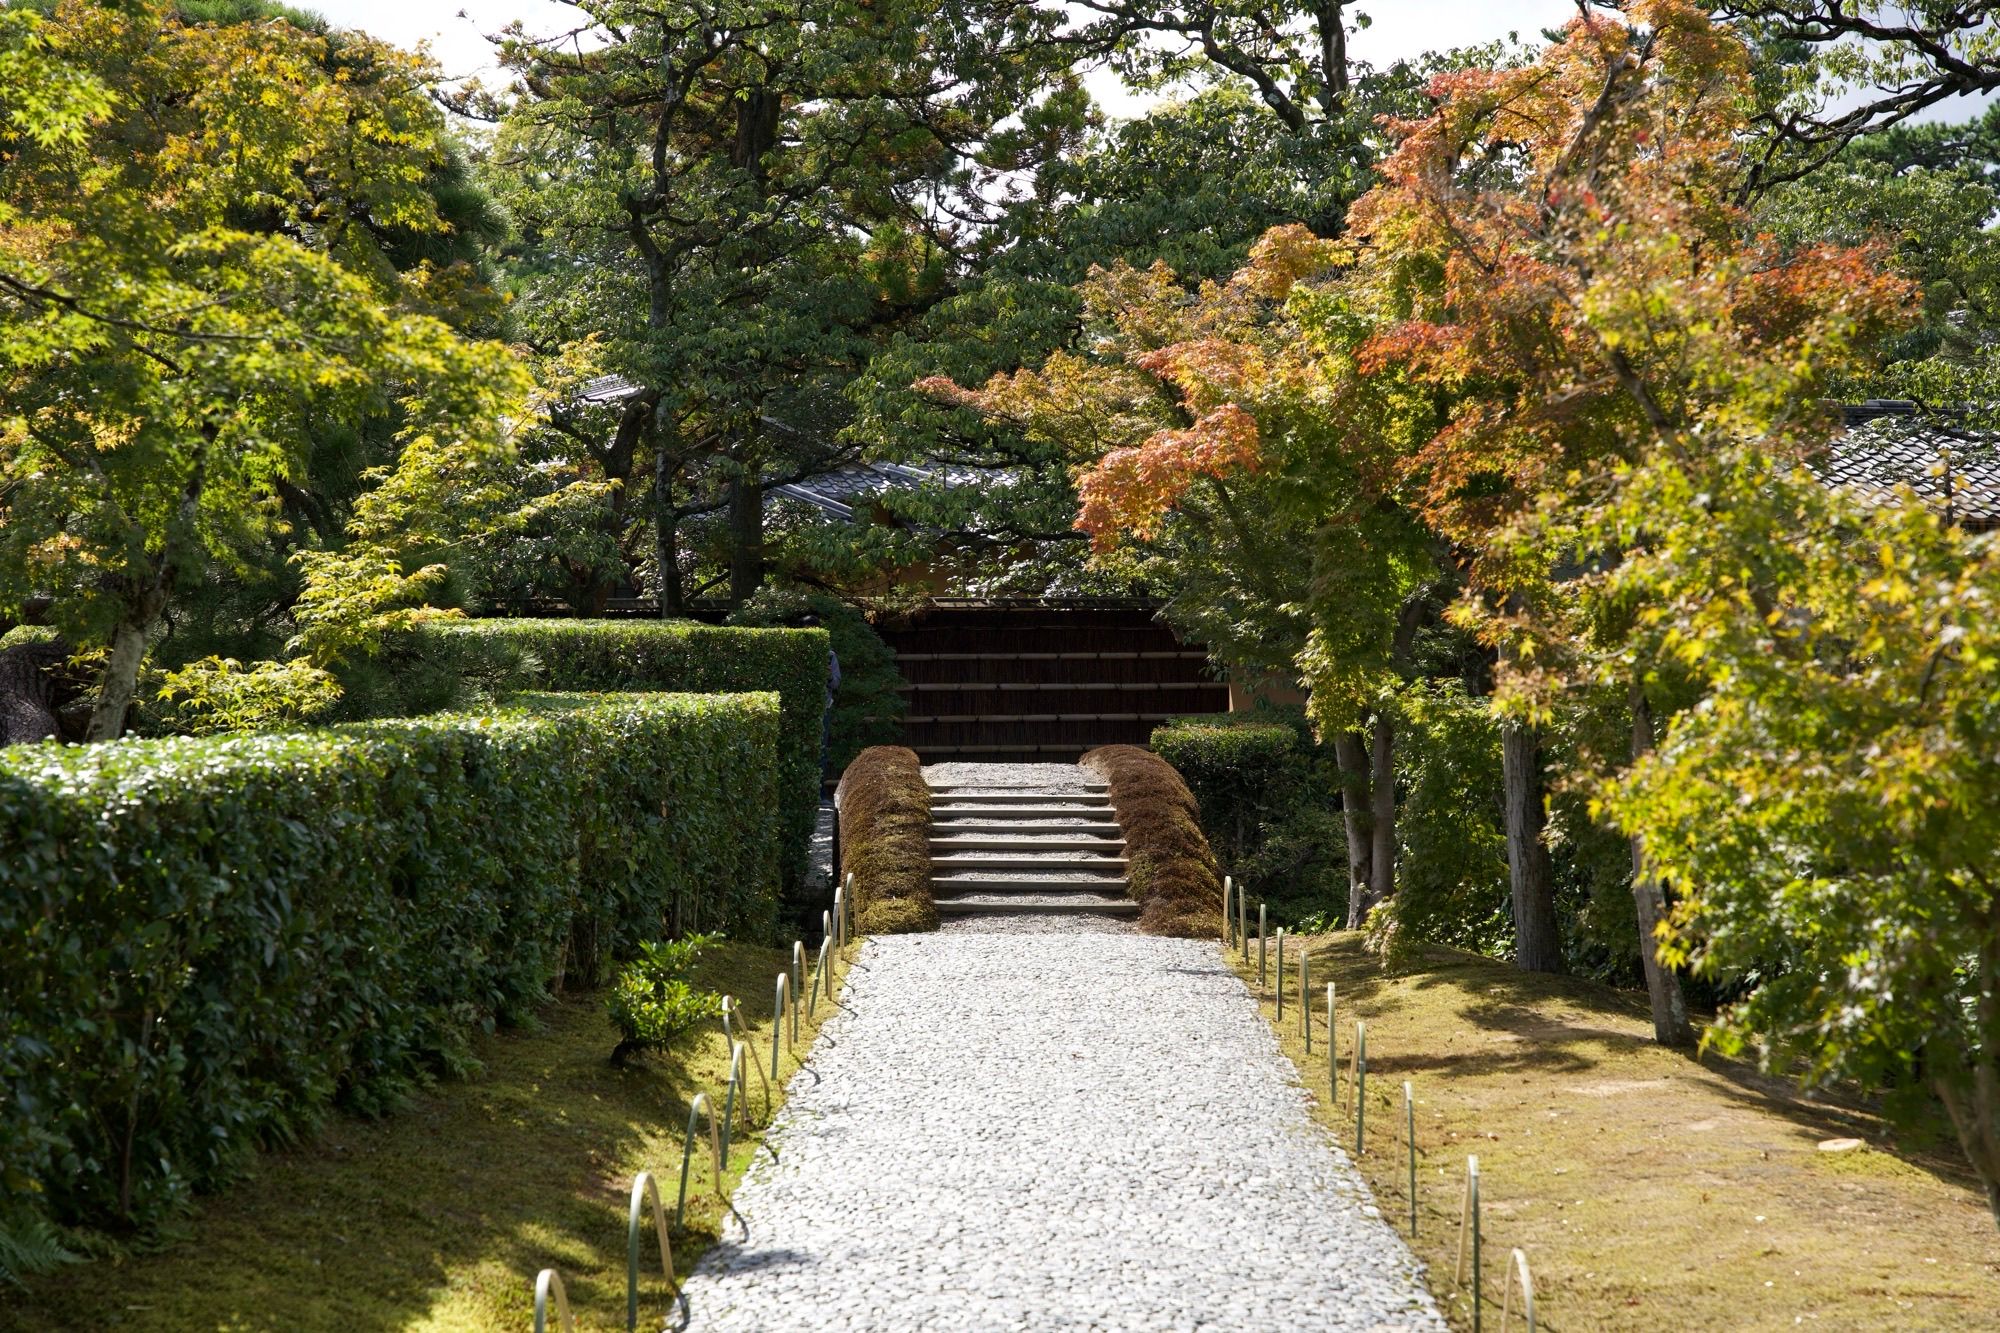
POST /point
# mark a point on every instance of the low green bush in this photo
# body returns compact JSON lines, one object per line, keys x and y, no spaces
{"x":208,"y":943}
{"x":652,"y":1004}
{"x":1270,"y":805}
{"x":462,"y":663}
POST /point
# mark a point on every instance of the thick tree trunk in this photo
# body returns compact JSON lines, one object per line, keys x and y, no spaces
{"x":1350,"y":752}
{"x":1968,"y":1082}
{"x":30,"y":703}
{"x":746,"y":536}
{"x":119,"y":680}
{"x":1537,"y":943}
{"x":1649,"y":900}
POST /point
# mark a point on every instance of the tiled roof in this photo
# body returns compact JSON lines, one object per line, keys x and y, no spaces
{"x":606,"y":389}
{"x":849,"y":488}
{"x":1887,"y":444}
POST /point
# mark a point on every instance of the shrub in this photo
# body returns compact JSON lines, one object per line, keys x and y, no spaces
{"x":1270,"y":804}
{"x":651,"y":1003}
{"x":486,"y":658}
{"x":210,"y":942}
{"x":885,"y":830}
{"x":1242,"y":776}
{"x":1173,"y":873}
{"x":1451,"y":836}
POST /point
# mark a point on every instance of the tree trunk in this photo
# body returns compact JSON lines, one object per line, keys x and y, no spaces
{"x":666,"y":533}
{"x":1663,"y":988}
{"x":1537,"y":943}
{"x":1382,"y":814}
{"x":746,"y":536}
{"x":120,"y":679}
{"x":1968,"y":1082}
{"x":30,"y":699}
{"x":1350,"y":752}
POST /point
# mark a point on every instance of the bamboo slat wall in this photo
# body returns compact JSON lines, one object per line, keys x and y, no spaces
{"x":1043,"y":681}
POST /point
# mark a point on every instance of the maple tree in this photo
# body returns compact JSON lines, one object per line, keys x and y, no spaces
{"x":1581,"y":280}
{"x":177,"y":320}
{"x":1223,"y":438}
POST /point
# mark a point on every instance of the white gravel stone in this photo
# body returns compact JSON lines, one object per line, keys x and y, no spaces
{"x":1008,"y":777}
{"x":1053,"y":1131}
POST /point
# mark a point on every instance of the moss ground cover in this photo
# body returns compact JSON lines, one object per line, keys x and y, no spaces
{"x":1648,"y":1189}
{"x":437,"y":1218}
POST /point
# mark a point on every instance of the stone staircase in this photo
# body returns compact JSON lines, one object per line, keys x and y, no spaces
{"x":1051,"y":848}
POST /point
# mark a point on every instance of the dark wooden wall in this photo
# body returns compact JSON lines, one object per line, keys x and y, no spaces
{"x":999,"y":681}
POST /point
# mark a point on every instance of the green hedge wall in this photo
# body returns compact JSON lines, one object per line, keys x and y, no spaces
{"x":1243,"y":775}
{"x":658,"y":655}
{"x":207,"y":943}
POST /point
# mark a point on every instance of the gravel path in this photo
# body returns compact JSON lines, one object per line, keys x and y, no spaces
{"x":1018,"y":1130}
{"x":1005,"y":777}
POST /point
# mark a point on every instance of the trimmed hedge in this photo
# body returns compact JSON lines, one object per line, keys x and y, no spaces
{"x":647,"y":655}
{"x":207,"y":943}
{"x":885,"y":830}
{"x":1241,"y":775}
{"x":1173,"y":873}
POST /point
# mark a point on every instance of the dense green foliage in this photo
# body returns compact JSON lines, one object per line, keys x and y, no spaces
{"x":868,"y":704}
{"x":454,"y":657}
{"x":211,"y":942}
{"x":1242,"y":774}
{"x":223,"y":265}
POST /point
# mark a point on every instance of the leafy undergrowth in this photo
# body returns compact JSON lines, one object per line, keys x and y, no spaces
{"x":1648,"y":1189}
{"x":439,"y":1217}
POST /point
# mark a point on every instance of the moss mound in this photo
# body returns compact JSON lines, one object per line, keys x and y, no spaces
{"x":1174,"y":874}
{"x":885,"y":830}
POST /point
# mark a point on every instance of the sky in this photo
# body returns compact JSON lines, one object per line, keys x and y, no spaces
{"x":1401,"y":28}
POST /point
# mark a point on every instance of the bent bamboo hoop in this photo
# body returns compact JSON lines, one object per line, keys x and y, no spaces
{"x":698,"y":1109}
{"x":1518,"y":1264}
{"x":644,"y":1193}
{"x":548,"y":1283}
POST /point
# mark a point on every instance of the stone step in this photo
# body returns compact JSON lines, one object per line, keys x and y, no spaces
{"x":1002,"y":842}
{"x":943,"y":886}
{"x":1096,"y":814}
{"x":1088,"y":787}
{"x":1096,"y":832}
{"x":1037,"y":906}
{"x":1057,"y":863}
{"x":1016,"y":796}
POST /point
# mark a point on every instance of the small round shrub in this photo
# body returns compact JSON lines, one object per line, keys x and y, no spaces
{"x":652,"y":1004}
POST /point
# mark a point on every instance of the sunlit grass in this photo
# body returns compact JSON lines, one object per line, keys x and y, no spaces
{"x":438,"y":1218}
{"x":1648,"y":1189}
